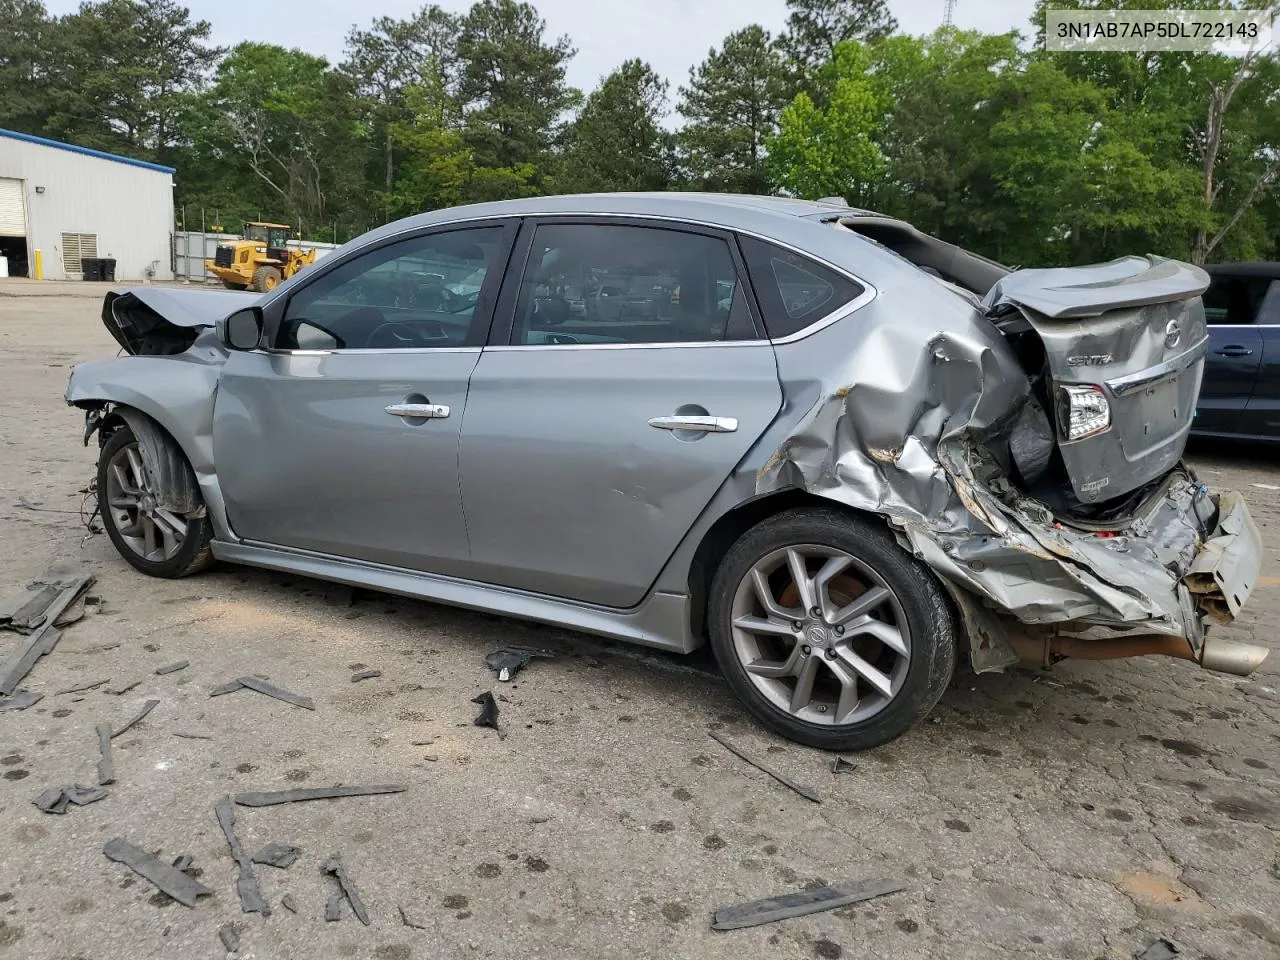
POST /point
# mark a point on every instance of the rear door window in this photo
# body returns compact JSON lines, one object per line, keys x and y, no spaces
{"x":1234,"y":300}
{"x":793,"y":290}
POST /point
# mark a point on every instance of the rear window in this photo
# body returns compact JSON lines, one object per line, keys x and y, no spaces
{"x":794,"y":291}
{"x":1234,"y":301}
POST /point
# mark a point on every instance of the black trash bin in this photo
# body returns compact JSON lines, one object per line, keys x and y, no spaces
{"x":90,"y":268}
{"x":108,"y":269}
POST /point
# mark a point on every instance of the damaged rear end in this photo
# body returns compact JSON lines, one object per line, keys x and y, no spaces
{"x":1043,"y":478}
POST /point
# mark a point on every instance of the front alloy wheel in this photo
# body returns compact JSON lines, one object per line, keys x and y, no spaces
{"x":828,"y":631}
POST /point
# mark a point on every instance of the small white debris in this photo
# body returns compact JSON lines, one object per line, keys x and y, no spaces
{"x":1265,"y":486}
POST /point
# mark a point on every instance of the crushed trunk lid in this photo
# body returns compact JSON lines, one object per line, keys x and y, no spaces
{"x":1124,"y":345}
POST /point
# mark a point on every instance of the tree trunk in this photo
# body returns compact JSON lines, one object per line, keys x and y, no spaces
{"x":391,"y":162}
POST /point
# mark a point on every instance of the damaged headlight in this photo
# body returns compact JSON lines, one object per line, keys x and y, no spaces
{"x":1082,"y":411}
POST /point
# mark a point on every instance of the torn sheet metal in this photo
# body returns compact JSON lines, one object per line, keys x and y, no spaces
{"x":925,"y":423}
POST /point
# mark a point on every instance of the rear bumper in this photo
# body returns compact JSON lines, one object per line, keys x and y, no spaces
{"x":1225,"y":571}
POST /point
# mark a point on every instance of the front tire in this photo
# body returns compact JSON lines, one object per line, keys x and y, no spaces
{"x":152,"y":539}
{"x":266,"y":279}
{"x":828,"y":631}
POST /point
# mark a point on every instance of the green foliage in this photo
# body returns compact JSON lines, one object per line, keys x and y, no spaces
{"x":731,"y":107}
{"x":816,"y":27}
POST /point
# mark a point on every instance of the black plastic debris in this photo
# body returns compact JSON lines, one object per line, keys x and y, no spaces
{"x":120,"y":689}
{"x":800,"y":903}
{"x":172,"y":668}
{"x":21,"y":700}
{"x":488,"y":713}
{"x":251,"y":899}
{"x":365,"y":675}
{"x":1161,"y":949}
{"x":333,"y":908}
{"x":271,"y":690}
{"x":288,"y":903}
{"x":841,"y":765}
{"x":192,"y":736}
{"x":183,"y":862}
{"x":183,"y":888}
{"x":84,"y":687}
{"x":106,"y":766}
{"x":57,"y":799}
{"x":334,"y":866}
{"x":230,"y":939}
{"x":276,"y":854}
{"x":35,"y":612}
{"x":269,"y":798}
{"x":508,"y":661}
{"x":146,"y":708}
{"x":791,"y":784}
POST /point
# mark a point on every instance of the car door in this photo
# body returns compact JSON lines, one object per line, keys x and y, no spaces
{"x":592,"y":441}
{"x":1235,"y":352}
{"x":341,"y":436}
{"x":1261,"y":416}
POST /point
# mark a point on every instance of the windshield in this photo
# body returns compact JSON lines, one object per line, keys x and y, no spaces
{"x":253,"y":231}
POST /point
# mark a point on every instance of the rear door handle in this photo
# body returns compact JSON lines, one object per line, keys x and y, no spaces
{"x":418,"y":411}
{"x":1234,"y":350}
{"x":702,"y":424}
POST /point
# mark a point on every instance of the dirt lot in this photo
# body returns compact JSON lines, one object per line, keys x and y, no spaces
{"x":1076,"y":813}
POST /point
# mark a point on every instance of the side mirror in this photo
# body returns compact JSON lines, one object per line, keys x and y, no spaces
{"x":242,"y":330}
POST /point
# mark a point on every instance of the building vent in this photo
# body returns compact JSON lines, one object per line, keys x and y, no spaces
{"x":77,"y":247}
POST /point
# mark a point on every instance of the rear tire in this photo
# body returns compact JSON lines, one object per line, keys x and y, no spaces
{"x":266,"y":279}
{"x":867,"y":661}
{"x":153,"y":540}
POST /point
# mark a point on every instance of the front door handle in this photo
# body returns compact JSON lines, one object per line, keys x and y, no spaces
{"x":418,"y":411}
{"x":702,"y":424}
{"x":1234,"y":350}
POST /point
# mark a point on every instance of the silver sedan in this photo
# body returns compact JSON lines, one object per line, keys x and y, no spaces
{"x":842,"y":452}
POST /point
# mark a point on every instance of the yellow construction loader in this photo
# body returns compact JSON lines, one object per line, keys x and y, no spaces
{"x":260,"y":260}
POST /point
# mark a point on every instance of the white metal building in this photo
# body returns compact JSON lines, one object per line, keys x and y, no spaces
{"x":72,"y":203}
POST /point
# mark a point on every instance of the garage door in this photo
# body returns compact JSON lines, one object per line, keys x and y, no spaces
{"x":13,"y":217}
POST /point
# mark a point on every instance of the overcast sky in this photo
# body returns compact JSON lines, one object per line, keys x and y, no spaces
{"x":672,"y":35}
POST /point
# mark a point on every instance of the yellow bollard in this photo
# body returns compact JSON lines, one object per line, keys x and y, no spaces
{"x":39,"y":263}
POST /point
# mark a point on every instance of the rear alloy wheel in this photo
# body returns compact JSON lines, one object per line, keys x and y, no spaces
{"x":156,"y":541}
{"x":829,"y":632}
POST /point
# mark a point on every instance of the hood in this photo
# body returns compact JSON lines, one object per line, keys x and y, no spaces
{"x":1063,"y":293}
{"x":163,"y":320}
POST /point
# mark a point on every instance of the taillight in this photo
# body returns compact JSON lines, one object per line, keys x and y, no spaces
{"x":1082,"y":411}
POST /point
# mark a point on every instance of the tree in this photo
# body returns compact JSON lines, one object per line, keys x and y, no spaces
{"x":25,"y":30}
{"x":123,"y":69}
{"x":731,"y":107}
{"x":833,"y":150}
{"x":816,"y":27}
{"x":617,"y":142}
{"x":385,"y":60}
{"x":512,"y":84}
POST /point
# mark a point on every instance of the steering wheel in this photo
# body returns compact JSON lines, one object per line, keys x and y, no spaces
{"x":392,"y":334}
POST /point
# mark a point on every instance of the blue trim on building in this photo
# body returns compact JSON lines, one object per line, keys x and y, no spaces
{"x":59,"y":145}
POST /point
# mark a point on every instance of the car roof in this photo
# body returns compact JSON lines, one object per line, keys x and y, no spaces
{"x":1257,"y":268}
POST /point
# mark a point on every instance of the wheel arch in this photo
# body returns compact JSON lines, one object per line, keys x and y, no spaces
{"x":162,"y":455}
{"x":726,"y":530}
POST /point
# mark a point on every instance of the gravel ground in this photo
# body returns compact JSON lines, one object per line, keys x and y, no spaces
{"x":1076,"y":813}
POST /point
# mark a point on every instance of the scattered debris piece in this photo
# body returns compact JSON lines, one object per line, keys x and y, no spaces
{"x":508,"y":661}
{"x":82,"y":689}
{"x":1162,"y":949}
{"x":288,"y":903}
{"x":120,"y":689}
{"x":1265,"y":486}
{"x":57,"y":799}
{"x":334,"y":866}
{"x":276,"y":854}
{"x":146,"y":708}
{"x":182,"y":862}
{"x":270,"y":798}
{"x":365,"y":675}
{"x":21,"y":700}
{"x":801,"y":903}
{"x":488,"y":713}
{"x":230,"y":939}
{"x":231,"y":686}
{"x":193,"y":736}
{"x":172,"y":667}
{"x":791,"y":784}
{"x":423,"y":743}
{"x":175,"y":883}
{"x":73,"y":614}
{"x":106,"y":767}
{"x":23,"y":614}
{"x":841,"y":765}
{"x":261,"y":686}
{"x":404,"y":918}
{"x":251,"y":899}
{"x":333,"y":909}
